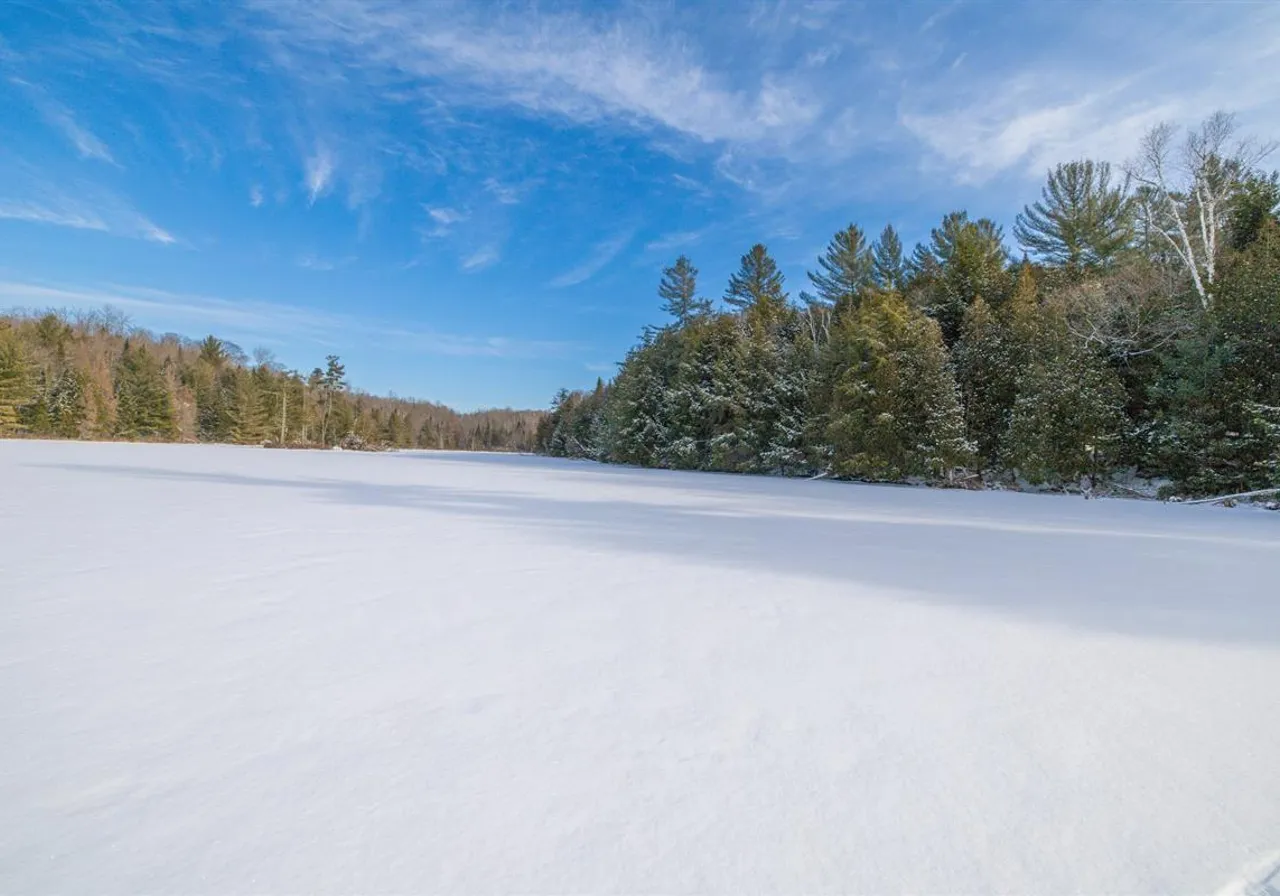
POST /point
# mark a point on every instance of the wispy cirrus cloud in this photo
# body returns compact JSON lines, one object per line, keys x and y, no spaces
{"x":312,"y":262}
{"x":980,"y":122}
{"x":485,"y":256}
{"x":569,"y":65}
{"x":603,"y":253}
{"x":676,"y":240}
{"x":60,"y":118}
{"x":318,"y":173}
{"x":78,"y":218}
{"x":255,"y":196}
{"x":98,"y":210}
{"x":443,"y":220}
{"x":164,"y":310}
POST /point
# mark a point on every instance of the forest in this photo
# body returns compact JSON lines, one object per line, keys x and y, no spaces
{"x":1134,"y":332}
{"x":93,"y":376}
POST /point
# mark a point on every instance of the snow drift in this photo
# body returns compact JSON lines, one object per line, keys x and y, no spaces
{"x":235,"y":670}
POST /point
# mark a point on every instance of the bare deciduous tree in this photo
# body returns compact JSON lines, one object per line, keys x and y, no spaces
{"x":1186,"y":191}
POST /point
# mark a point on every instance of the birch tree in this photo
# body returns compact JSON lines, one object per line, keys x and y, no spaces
{"x":1187,"y":190}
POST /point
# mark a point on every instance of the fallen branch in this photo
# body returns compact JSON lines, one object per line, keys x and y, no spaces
{"x":1258,"y":494}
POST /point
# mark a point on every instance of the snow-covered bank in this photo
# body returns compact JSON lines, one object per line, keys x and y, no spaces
{"x":234,"y":670}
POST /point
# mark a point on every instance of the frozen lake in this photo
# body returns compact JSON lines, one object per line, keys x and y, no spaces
{"x":236,"y":670}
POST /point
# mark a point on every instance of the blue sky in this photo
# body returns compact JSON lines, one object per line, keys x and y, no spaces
{"x":472,"y":203}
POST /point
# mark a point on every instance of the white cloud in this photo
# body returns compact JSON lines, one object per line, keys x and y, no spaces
{"x":98,"y":210}
{"x":583,"y":69}
{"x":505,"y":194}
{"x":319,"y":173}
{"x":443,"y":220}
{"x":600,"y":256}
{"x":1054,"y":109}
{"x":150,"y":231}
{"x":445,"y":216}
{"x":166,"y":310}
{"x":481,"y":258}
{"x":84,"y":140}
{"x":62,"y":217}
{"x":255,"y":196}
{"x":315,"y":263}
{"x":674,"y":241}
{"x":61,"y":119}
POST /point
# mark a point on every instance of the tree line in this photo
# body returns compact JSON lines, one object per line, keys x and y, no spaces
{"x":1138,"y":329}
{"x":93,"y":376}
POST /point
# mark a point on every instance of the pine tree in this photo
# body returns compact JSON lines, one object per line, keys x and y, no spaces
{"x":332,"y":381}
{"x":678,"y":290}
{"x":895,"y":409}
{"x":1068,"y":416}
{"x":963,"y":260}
{"x":986,"y":378}
{"x":888,"y":270}
{"x":757,"y":287}
{"x":1081,"y":221}
{"x":844,"y":270}
{"x":1215,"y":429}
{"x":144,"y":407}
{"x":15,"y":380}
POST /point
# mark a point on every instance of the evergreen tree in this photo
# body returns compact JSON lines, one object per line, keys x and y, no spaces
{"x":963,"y":260}
{"x":332,"y":381}
{"x":1081,"y":221}
{"x":986,"y":379}
{"x":757,"y":287}
{"x":15,"y":379}
{"x":58,"y":407}
{"x":844,"y":270}
{"x":1257,"y":202}
{"x":144,"y":407}
{"x":678,"y":290}
{"x":895,"y":408}
{"x":1215,"y":428}
{"x":1067,"y":419}
{"x":888,"y":270}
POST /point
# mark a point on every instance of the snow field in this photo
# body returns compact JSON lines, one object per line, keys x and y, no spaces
{"x":235,"y":670}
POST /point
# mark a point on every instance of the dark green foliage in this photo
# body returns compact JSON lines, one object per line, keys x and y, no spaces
{"x":963,"y":260}
{"x":59,"y":406}
{"x":15,"y":380}
{"x":757,"y":286}
{"x":844,"y":270}
{"x":895,"y":409}
{"x":1256,"y":203}
{"x":678,"y":290}
{"x":144,"y":408}
{"x":1216,"y":428}
{"x":1082,"y":220}
{"x":986,"y":376}
{"x":888,"y":268}
{"x":1068,"y":418}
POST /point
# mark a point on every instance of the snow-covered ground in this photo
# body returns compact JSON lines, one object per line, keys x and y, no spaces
{"x":230,"y":670}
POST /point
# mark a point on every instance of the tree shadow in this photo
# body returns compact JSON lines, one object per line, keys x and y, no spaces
{"x":1126,"y":568}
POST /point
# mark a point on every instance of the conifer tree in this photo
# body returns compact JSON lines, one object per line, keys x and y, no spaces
{"x":1067,"y":420}
{"x":331,"y":381}
{"x":963,"y":260}
{"x":1081,"y":221}
{"x":888,"y":269}
{"x":757,"y":286}
{"x":678,"y":290}
{"x":986,"y":379}
{"x":895,"y":408}
{"x":844,"y":270}
{"x":15,"y":380}
{"x":144,"y":407}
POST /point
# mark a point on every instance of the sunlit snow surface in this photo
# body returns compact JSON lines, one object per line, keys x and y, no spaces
{"x":232,"y":670}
